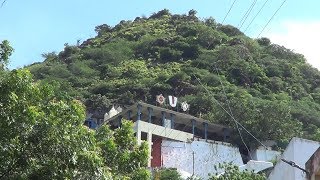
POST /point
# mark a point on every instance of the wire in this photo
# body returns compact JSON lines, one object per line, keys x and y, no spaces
{"x":4,"y":1}
{"x":229,"y":113}
{"x":246,"y":15}
{"x":228,"y":103}
{"x":256,"y":15}
{"x":228,"y":11}
{"x":271,"y":18}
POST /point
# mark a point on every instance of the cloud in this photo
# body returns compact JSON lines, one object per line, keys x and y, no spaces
{"x":301,"y":37}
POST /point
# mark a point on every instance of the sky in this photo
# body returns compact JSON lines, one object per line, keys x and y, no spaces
{"x":35,"y":27}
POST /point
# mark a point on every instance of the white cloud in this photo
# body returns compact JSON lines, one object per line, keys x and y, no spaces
{"x":302,"y":37}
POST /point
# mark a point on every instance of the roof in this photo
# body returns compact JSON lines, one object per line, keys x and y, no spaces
{"x":181,"y":118}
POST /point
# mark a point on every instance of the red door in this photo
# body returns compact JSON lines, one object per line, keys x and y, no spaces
{"x":156,"y":151}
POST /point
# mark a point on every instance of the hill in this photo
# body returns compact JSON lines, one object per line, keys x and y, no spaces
{"x":270,"y":89}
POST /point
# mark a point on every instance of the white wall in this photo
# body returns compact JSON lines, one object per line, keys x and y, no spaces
{"x":206,"y":155}
{"x":298,"y":151}
{"x":265,"y":155}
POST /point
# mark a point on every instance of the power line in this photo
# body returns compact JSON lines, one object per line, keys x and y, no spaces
{"x":3,"y":3}
{"x":271,"y":18}
{"x":256,"y":15}
{"x":245,"y":16}
{"x":228,"y":103}
{"x":228,"y":112}
{"x":228,"y":11}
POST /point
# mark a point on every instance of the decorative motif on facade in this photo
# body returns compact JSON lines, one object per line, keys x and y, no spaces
{"x":184,"y":106}
{"x":173,"y":101}
{"x":160,"y":99}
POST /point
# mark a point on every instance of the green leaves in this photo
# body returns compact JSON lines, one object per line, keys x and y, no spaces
{"x":43,"y":137}
{"x":5,"y":52}
{"x":121,"y":151}
{"x":233,"y":172}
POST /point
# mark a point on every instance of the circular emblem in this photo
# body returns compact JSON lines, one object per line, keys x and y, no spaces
{"x":160,"y":99}
{"x":184,"y":106}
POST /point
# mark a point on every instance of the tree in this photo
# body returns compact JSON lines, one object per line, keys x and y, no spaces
{"x":167,"y":174}
{"x":122,"y":152}
{"x":5,"y":52}
{"x":233,"y":172}
{"x":42,"y":136}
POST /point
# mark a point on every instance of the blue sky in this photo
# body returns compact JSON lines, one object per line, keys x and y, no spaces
{"x":35,"y":26}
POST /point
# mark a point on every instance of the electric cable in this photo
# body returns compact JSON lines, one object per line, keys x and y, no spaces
{"x":228,"y":11}
{"x":229,"y":113}
{"x":271,"y":18}
{"x":246,"y":15}
{"x":256,"y":15}
{"x":228,"y":103}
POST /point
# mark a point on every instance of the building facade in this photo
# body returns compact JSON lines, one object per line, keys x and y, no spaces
{"x":192,"y":145}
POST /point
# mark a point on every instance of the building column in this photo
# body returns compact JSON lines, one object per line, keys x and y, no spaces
{"x":150,"y":111}
{"x":138,"y":133}
{"x":205,"y":124}
{"x":139,"y":112}
{"x":225,"y":134}
{"x":120,"y":120}
{"x":149,"y":140}
{"x":193,"y":126}
{"x":163,"y":118}
{"x":172,"y":120}
{"x":129,"y":114}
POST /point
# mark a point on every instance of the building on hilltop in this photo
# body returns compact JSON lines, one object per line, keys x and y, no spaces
{"x":190,"y":144}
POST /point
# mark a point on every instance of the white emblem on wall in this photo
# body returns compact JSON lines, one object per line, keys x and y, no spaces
{"x":184,"y":106}
{"x":173,"y":101}
{"x":160,"y":99}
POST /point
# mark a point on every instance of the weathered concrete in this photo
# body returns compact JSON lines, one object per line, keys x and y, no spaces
{"x":162,"y":131}
{"x":299,"y":151}
{"x":313,"y":166}
{"x":199,"y":156}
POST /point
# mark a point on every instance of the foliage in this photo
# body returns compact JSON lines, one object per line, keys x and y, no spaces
{"x":167,"y":174}
{"x":122,"y":153}
{"x":269,"y":86}
{"x":43,"y":137}
{"x":233,"y":172}
{"x":5,"y":52}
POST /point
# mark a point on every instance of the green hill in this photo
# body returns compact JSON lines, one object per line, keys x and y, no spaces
{"x":270,"y":89}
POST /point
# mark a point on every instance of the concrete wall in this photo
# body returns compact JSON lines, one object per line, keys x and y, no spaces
{"x":265,"y":155}
{"x":313,"y":166}
{"x":142,"y":126}
{"x":206,"y":155}
{"x":298,"y":151}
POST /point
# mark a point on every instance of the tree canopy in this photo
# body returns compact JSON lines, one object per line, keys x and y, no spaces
{"x":43,"y":136}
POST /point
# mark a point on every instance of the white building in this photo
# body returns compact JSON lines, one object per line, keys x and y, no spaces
{"x":190,"y":144}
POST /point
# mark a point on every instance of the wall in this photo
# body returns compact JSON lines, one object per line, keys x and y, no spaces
{"x":206,"y":155}
{"x":313,"y":166}
{"x":298,"y":151}
{"x":265,"y":155}
{"x":142,"y":126}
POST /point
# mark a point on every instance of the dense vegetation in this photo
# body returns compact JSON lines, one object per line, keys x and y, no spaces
{"x":43,"y":137}
{"x":271,"y":90}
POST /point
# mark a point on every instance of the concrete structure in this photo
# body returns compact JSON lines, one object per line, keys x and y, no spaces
{"x":190,"y":144}
{"x":313,"y":166}
{"x":263,"y":154}
{"x":298,"y":151}
{"x":198,"y":157}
